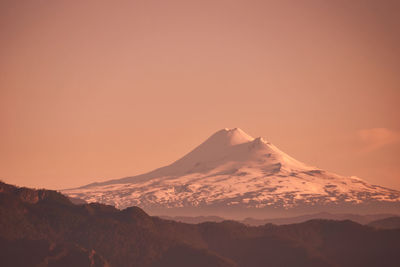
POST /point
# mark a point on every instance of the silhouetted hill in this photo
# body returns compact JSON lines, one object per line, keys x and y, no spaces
{"x":43,"y":228}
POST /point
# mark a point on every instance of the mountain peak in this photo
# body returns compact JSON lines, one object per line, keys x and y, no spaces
{"x":229,"y":137}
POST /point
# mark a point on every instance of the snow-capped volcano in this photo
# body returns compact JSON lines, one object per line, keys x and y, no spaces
{"x":232,"y":173}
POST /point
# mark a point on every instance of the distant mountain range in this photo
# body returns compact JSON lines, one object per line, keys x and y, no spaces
{"x":234,"y":175}
{"x":386,"y":223}
{"x":44,"y":228}
{"x":361,"y":219}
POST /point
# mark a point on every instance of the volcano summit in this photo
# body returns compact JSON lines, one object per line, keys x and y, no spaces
{"x":235,"y":175}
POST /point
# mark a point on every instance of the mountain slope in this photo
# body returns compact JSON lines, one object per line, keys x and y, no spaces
{"x":237,"y":175}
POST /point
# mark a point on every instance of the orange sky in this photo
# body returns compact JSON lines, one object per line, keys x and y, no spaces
{"x":94,"y":90}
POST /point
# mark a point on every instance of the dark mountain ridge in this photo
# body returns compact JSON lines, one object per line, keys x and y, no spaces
{"x":44,"y":228}
{"x":358,"y":218}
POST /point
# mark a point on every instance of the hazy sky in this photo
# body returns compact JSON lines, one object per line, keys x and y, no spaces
{"x":94,"y":90}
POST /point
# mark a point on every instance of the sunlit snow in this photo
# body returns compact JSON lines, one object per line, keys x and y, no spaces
{"x":233,"y":168}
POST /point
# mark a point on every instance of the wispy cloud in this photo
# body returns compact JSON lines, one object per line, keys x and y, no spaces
{"x":377,"y":138}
